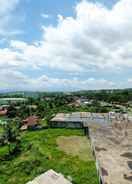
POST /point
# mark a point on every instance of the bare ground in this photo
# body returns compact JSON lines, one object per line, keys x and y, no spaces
{"x":75,"y":146}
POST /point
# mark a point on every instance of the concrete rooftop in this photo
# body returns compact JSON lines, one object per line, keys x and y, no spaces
{"x":82,"y":117}
{"x":112,"y":146}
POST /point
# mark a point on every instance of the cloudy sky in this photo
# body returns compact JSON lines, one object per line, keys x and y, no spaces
{"x":48,"y":45}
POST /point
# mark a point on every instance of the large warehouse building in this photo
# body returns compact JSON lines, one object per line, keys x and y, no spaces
{"x":78,"y":119}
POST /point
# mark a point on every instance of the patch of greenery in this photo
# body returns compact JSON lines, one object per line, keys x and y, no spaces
{"x":40,"y":153}
{"x":1,"y":130}
{"x":44,"y":122}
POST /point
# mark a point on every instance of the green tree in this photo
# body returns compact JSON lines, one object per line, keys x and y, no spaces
{"x":12,"y":136}
{"x":11,"y":111}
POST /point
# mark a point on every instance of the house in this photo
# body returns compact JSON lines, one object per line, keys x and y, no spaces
{"x":3,"y":111}
{"x":82,"y":101}
{"x":30,"y":122}
{"x":50,"y":177}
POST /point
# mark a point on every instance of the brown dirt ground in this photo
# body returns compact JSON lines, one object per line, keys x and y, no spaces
{"x":75,"y":146}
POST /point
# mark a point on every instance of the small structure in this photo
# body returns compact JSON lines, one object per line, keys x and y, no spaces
{"x":30,"y":122}
{"x":71,"y":120}
{"x":13,"y":99}
{"x":78,"y":119}
{"x":3,"y":111}
{"x":82,"y":101}
{"x":50,"y":177}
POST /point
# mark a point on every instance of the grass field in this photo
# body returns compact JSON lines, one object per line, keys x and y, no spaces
{"x":1,"y":130}
{"x":40,"y":152}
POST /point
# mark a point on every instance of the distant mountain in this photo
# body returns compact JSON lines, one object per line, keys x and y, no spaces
{"x":9,"y":93}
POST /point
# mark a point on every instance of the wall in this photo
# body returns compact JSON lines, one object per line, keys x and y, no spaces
{"x":63,"y":124}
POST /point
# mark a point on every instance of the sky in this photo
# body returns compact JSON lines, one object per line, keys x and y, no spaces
{"x":65,"y":45}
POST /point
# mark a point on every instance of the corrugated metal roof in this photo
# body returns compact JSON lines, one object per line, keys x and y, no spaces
{"x":86,"y":117}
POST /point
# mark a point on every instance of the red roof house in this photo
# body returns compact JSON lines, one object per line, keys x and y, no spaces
{"x":3,"y":112}
{"x":31,"y":121}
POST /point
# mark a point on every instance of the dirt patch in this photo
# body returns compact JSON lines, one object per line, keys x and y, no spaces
{"x":75,"y":146}
{"x":127,"y":155}
{"x":104,"y":172}
{"x":129,"y":178}
{"x":129,"y":164}
{"x":100,"y":149}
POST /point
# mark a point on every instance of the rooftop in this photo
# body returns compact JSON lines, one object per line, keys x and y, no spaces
{"x":85,"y":117}
{"x":3,"y":112}
{"x":30,"y":121}
{"x":50,"y":177}
{"x":113,"y":150}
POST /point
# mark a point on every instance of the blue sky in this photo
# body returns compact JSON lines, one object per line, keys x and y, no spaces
{"x":31,"y":11}
{"x":65,"y":44}
{"x":29,"y":19}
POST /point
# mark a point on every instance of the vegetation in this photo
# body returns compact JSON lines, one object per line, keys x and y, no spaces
{"x":11,"y":137}
{"x":48,"y":104}
{"x":121,"y":96}
{"x":39,"y":153}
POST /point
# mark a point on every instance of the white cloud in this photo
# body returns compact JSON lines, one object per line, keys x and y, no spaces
{"x":96,"y":38}
{"x":14,"y":80}
{"x":60,"y":18}
{"x":7,"y":5}
{"x":6,"y":14}
{"x":18,"y":81}
{"x":45,"y":16}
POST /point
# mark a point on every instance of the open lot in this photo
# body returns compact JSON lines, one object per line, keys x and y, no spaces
{"x":76,"y":146}
{"x":40,"y":152}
